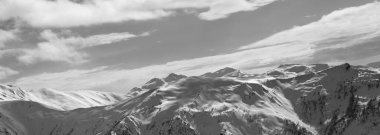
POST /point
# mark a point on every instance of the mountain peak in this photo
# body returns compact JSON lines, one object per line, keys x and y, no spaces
{"x":134,"y":89}
{"x":287,"y":70}
{"x":220,"y":73}
{"x":227,"y":69}
{"x":342,"y":67}
{"x":153,"y":83}
{"x":283,"y":104}
{"x":343,"y":71}
{"x":172,"y":77}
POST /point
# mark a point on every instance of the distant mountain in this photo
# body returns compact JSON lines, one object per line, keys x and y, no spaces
{"x":374,"y":64}
{"x":292,"y":99}
{"x":154,"y":83}
{"x":60,"y":100}
{"x":288,"y":70}
{"x":173,"y":77}
{"x":225,"y":72}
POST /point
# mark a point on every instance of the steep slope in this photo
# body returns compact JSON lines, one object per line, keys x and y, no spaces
{"x":60,"y":100}
{"x":10,"y":92}
{"x":204,"y":106}
{"x":335,"y":100}
{"x":340,"y":100}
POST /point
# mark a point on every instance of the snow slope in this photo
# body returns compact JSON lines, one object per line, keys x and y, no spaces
{"x":60,"y":100}
{"x":154,"y":83}
{"x":291,"y":70}
{"x":343,"y":99}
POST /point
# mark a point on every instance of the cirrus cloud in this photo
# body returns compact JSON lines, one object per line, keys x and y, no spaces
{"x":6,"y":36}
{"x":66,"y":13}
{"x":116,"y":79}
{"x":60,"y":49}
{"x":340,"y":35}
{"x":341,"y":28}
{"x":6,"y":72}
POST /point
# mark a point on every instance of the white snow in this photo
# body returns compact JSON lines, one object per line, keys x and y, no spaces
{"x":302,"y":99}
{"x":60,"y":100}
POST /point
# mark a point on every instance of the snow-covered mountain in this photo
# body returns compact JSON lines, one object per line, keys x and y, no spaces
{"x":60,"y":100}
{"x":289,"y":100}
{"x":291,"y":70}
{"x":374,"y":64}
{"x":225,"y":72}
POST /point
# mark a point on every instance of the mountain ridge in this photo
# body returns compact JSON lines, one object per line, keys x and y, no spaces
{"x":67,"y":100}
{"x":340,"y":99}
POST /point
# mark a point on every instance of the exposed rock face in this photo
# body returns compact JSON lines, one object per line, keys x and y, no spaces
{"x":336,"y":100}
{"x":154,"y":83}
{"x":306,"y":100}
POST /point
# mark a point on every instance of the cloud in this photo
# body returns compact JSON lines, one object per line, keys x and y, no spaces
{"x":6,"y":72}
{"x":222,"y":8}
{"x":65,"y":13}
{"x":340,"y":36}
{"x":6,"y":36}
{"x":52,"y":51}
{"x":341,"y":28}
{"x":57,"y":48}
{"x":114,"y":79}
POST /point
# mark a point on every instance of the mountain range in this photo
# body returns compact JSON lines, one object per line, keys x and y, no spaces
{"x":292,"y":99}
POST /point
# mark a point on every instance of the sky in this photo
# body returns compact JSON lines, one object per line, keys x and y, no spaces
{"x":114,"y":45}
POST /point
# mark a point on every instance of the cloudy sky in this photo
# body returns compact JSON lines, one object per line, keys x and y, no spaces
{"x":114,"y":45}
